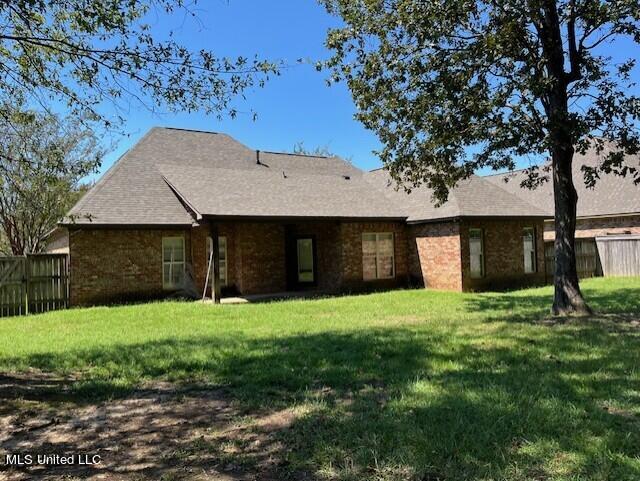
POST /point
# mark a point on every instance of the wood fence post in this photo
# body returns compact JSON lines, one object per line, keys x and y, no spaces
{"x":27,"y":282}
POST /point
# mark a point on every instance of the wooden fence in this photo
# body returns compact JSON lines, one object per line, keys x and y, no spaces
{"x":620,"y":255}
{"x":33,"y":283}
{"x":587,"y":260}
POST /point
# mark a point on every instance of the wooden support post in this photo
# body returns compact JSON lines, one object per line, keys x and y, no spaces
{"x":215,"y":281}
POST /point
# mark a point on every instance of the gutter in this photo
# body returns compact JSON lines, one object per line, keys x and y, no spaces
{"x":268,"y":218}
{"x":602,"y":216}
{"x":478,"y":217}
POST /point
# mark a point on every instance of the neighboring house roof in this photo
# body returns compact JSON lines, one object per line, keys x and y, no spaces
{"x":213,"y":174}
{"x":612,"y":194}
{"x":473,"y":197}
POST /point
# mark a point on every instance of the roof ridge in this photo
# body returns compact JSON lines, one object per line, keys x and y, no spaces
{"x":453,"y":198}
{"x":504,"y":173}
{"x":511,"y":194}
{"x":300,"y":155}
{"x":275,"y":172}
{"x":184,"y":129}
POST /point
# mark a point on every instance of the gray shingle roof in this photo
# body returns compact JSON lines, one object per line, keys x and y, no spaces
{"x":473,"y":197}
{"x":171,"y":176}
{"x":612,"y":195}
{"x":263,"y":192}
{"x":217,"y":175}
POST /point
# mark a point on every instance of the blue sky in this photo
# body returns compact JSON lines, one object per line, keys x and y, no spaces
{"x":297,"y":106}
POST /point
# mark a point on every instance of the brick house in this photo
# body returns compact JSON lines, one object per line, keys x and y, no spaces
{"x":274,"y":222}
{"x":612,"y":207}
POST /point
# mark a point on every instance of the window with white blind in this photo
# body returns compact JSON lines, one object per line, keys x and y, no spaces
{"x":173,"y":262}
{"x":476,"y":253}
{"x":529,"y":247}
{"x":378,"y":256}
{"x":222,"y":253}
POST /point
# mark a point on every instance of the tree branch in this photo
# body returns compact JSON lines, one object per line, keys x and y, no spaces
{"x":575,"y":56}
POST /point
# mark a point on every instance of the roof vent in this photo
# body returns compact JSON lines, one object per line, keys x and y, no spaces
{"x":284,"y":176}
{"x":346,"y":177}
{"x":258,"y":157}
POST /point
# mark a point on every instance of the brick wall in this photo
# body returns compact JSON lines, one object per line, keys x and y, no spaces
{"x":503,"y":252}
{"x":351,"y":255}
{"x":117,"y":265}
{"x":260,"y":261}
{"x":589,"y":228}
{"x":434,"y":255}
{"x":326,"y":236}
{"x":200,"y":234}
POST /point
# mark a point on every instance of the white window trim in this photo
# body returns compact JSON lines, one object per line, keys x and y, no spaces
{"x":535,"y":253}
{"x":169,"y":285}
{"x":222,"y":270}
{"x":476,"y":275}
{"x":393,"y":256}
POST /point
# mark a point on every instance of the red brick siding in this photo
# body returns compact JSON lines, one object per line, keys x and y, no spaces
{"x":258,"y":263}
{"x":260,"y":257}
{"x":199,"y":253}
{"x":434,"y":253}
{"x":351,"y":256}
{"x":503,"y":253}
{"x":199,"y":236}
{"x":116,"y":265}
{"x":589,"y":228}
{"x":327,"y":244}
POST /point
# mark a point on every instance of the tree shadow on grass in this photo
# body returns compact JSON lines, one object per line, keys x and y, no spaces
{"x":397,"y":403}
{"x":257,"y":378}
{"x":535,"y":307}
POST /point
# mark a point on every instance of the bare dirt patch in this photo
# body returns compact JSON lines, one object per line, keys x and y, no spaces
{"x":161,"y":432}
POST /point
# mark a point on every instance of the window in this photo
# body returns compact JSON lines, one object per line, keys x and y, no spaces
{"x":529,"y":245}
{"x":476,"y":253}
{"x":222,"y":254}
{"x":172,"y":262}
{"x":378,"y":256}
{"x":305,"y":260}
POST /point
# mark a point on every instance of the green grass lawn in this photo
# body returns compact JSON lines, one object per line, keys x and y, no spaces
{"x":400,"y":385}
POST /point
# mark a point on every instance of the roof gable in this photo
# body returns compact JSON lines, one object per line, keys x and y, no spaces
{"x":473,"y":197}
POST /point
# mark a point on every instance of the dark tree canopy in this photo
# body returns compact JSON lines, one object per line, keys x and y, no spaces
{"x":85,"y":52}
{"x":458,"y":85}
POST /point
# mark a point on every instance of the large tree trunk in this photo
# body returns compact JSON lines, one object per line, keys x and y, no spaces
{"x":567,"y":298}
